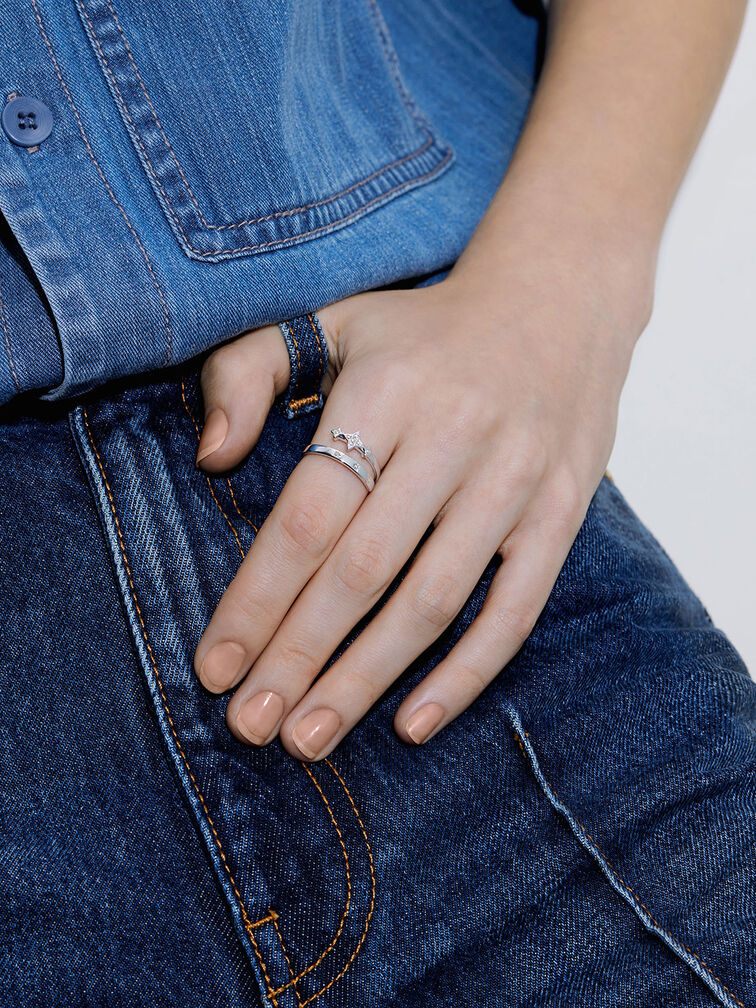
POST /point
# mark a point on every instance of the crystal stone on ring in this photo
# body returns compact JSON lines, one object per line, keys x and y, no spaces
{"x":352,"y":440}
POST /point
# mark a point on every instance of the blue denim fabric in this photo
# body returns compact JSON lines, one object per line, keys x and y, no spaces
{"x":581,"y":836}
{"x":215,"y":168}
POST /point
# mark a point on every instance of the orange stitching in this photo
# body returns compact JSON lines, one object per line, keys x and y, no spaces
{"x":316,"y":334}
{"x":238,"y":511}
{"x":338,"y":830}
{"x":209,"y":481}
{"x":228,"y":480}
{"x":288,"y":963}
{"x":349,"y":888}
{"x":295,"y":404}
{"x":265,"y":920}
{"x":4,"y":321}
{"x":174,"y":733}
{"x":279,"y":213}
{"x":298,"y":403}
{"x":95,"y":162}
{"x":637,"y":898}
{"x":372,"y":893}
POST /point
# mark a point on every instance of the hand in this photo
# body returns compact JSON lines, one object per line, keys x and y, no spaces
{"x":493,"y":414}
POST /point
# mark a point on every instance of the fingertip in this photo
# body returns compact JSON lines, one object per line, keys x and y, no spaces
{"x":214,"y":434}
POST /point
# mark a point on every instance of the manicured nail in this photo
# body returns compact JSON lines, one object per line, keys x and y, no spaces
{"x":423,"y":721}
{"x":213,"y":433}
{"x":260,"y":715}
{"x":315,"y":731}
{"x":223,"y":664}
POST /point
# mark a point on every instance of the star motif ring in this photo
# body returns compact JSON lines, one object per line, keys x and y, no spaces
{"x":354,"y":441}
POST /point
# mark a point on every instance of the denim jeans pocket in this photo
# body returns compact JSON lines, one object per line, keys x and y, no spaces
{"x":302,"y":124}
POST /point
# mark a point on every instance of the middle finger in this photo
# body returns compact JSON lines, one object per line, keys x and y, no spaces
{"x":372,"y":551}
{"x":315,"y":506}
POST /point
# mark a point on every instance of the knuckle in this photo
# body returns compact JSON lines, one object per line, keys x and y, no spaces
{"x":515,"y":622}
{"x":365,"y":569}
{"x":527,"y":459}
{"x":294,"y":657}
{"x":467,"y":673}
{"x":434,"y":601}
{"x":246,"y":607}
{"x":214,"y":368}
{"x":305,"y":526}
{"x":468,"y":412}
{"x":565,"y":506}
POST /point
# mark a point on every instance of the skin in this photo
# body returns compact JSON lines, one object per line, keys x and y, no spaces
{"x":501,"y":452}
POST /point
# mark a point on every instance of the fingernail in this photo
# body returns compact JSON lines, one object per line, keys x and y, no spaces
{"x":223,"y":664}
{"x":315,"y":731}
{"x":423,"y":721}
{"x":260,"y":715}
{"x":213,"y":433}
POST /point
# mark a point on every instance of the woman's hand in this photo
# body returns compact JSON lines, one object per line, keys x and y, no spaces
{"x":491,"y":406}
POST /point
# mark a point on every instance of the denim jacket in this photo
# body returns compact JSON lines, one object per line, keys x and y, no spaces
{"x":173,"y":174}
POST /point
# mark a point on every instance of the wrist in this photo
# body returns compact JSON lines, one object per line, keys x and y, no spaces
{"x":528,"y":237}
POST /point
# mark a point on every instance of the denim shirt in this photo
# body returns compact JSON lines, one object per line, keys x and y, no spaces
{"x":208,"y":168}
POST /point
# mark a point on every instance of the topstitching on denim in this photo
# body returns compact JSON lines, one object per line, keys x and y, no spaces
{"x":406,"y":176}
{"x":723,"y":994}
{"x":111,"y":194}
{"x":308,"y":770}
{"x":6,"y":336}
{"x":245,"y":926}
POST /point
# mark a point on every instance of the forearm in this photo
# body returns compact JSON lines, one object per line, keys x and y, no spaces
{"x":625,"y":93}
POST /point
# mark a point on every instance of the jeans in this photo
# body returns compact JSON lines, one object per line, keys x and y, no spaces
{"x":581,"y":836}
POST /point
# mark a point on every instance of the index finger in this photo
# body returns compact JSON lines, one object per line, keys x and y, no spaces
{"x":316,"y":505}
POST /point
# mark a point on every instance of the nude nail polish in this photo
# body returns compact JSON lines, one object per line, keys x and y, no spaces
{"x":223,"y":665}
{"x":423,"y":721}
{"x":213,"y":434}
{"x":315,"y":731}
{"x":259,"y":716}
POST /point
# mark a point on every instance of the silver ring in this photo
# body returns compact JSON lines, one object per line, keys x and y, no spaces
{"x":359,"y":470}
{"x":355,"y":441}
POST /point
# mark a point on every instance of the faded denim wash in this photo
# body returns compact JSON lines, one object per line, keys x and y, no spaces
{"x":216,"y":167}
{"x":582,"y":836}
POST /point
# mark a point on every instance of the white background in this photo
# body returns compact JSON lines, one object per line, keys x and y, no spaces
{"x":685,"y":455}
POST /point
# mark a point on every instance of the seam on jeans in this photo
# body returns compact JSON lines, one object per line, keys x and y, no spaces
{"x":293,"y":404}
{"x":228,"y":479}
{"x":715,"y":985}
{"x":380,"y":31}
{"x":299,"y":403}
{"x":288,"y":961}
{"x":114,"y":198}
{"x":4,"y":322}
{"x":372,"y":890}
{"x":249,"y":927}
{"x":296,"y":404}
{"x":349,"y":891}
{"x":316,"y":334}
{"x":341,"y":841}
{"x":207,"y":478}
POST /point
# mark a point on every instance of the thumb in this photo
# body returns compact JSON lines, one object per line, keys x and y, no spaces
{"x":239,"y":382}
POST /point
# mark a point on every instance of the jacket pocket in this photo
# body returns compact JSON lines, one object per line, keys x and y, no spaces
{"x":261,"y":124}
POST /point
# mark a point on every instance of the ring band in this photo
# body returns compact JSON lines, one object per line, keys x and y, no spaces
{"x":361,"y":471}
